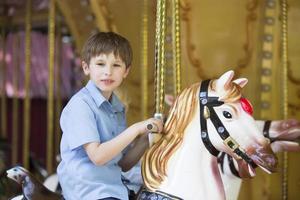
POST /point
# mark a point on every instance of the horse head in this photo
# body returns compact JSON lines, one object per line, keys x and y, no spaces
{"x":244,"y":141}
{"x":205,"y":119}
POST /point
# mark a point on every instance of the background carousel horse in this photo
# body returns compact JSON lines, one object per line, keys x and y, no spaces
{"x":181,"y":166}
{"x":32,"y":188}
{"x":283,"y":135}
{"x":8,"y":187}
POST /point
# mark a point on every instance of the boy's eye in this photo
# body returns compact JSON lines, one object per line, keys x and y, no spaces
{"x":117,"y":65}
{"x":100,"y":64}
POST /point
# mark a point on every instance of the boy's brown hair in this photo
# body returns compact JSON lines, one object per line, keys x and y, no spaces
{"x":105,"y":43}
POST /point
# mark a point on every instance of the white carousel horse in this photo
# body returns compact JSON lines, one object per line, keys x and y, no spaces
{"x":182,"y":164}
{"x":283,"y":135}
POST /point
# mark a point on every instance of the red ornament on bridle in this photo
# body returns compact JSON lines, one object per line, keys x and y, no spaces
{"x":246,"y":105}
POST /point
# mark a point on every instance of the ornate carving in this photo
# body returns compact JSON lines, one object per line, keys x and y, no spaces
{"x":247,"y":47}
{"x":108,"y":16}
{"x":186,"y":8}
{"x":104,"y":16}
{"x":291,"y":77}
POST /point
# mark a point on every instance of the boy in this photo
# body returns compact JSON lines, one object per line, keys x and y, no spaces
{"x":94,"y":140}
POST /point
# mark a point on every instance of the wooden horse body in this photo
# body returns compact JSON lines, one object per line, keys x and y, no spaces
{"x":180,"y":165}
{"x":186,"y":181}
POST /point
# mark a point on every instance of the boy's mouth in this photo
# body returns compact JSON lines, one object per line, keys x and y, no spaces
{"x":107,"y":81}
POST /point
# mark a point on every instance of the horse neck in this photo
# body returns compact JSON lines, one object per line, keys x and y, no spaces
{"x":192,"y":171}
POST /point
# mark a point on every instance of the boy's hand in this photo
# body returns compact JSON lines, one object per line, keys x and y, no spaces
{"x":150,"y":125}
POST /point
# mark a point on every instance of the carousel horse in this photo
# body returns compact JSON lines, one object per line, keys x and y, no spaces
{"x":205,"y":119}
{"x":7,"y":186}
{"x":284,"y":136}
{"x":32,"y":188}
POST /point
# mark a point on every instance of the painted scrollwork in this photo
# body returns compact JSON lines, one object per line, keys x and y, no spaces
{"x":247,"y":47}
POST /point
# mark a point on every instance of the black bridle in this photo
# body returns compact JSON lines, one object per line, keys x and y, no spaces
{"x":207,"y":111}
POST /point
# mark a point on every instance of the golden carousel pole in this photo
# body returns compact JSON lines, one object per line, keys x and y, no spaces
{"x":144,"y":61}
{"x":159,"y":63}
{"x":176,"y":47}
{"x":160,"y":58}
{"x":15,"y":107}
{"x":58,"y":106}
{"x":284,"y":54}
{"x":50,"y":102}
{"x":26,"y":119}
{"x":3,"y":90}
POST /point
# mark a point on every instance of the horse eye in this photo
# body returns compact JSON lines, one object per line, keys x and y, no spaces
{"x":227,"y":115}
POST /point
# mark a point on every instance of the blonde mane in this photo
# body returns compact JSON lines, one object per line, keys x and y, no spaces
{"x":154,"y":165}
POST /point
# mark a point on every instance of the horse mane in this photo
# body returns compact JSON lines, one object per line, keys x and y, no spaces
{"x":154,"y":165}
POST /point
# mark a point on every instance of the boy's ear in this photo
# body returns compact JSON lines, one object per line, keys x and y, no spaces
{"x":85,"y":68}
{"x":126,"y":72}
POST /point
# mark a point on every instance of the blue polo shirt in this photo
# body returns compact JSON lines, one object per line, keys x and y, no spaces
{"x":89,"y":117}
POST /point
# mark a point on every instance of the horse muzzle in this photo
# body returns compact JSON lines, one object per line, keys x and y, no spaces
{"x":264,"y":157}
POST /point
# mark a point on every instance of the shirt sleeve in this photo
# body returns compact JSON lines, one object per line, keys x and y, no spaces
{"x":79,"y":124}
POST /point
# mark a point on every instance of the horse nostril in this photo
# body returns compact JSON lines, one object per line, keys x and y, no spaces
{"x":272,"y":160}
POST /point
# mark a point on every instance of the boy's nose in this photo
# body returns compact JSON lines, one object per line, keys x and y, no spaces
{"x":108,"y":71}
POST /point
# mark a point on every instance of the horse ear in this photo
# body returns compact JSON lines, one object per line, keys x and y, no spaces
{"x":225,"y":80}
{"x":241,"y":82}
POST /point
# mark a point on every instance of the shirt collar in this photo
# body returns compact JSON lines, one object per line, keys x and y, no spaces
{"x":97,"y":96}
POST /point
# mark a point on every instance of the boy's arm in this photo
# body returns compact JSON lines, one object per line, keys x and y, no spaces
{"x":101,"y":153}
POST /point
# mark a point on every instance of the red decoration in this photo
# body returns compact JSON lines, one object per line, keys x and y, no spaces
{"x":246,"y":105}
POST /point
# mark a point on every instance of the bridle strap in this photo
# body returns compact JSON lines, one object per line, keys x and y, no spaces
{"x":220,"y":160}
{"x":230,"y":142}
{"x":232,"y":166}
{"x":203,"y":123}
{"x":209,"y":103}
{"x":267,"y":128}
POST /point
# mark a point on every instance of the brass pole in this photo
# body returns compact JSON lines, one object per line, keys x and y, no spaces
{"x":160,"y":56}
{"x":26,"y":119}
{"x":58,"y":106}
{"x":176,"y":47}
{"x":15,"y":107}
{"x":50,"y":102}
{"x":284,"y":46}
{"x":144,"y":61}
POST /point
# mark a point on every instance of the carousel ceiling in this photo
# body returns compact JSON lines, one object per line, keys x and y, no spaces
{"x":78,"y":18}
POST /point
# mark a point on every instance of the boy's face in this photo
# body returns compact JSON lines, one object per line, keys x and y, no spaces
{"x":107,"y":72}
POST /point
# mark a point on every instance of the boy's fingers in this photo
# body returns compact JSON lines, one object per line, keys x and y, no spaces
{"x":160,"y":125}
{"x":151,"y":127}
{"x":154,"y":126}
